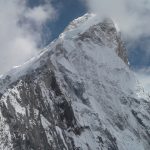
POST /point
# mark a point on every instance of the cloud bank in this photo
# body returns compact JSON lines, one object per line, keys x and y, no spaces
{"x":21,"y":30}
{"x":132,"y":16}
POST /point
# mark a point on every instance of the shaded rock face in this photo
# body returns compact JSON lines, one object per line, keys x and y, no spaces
{"x":43,"y":107}
{"x":79,"y":97}
{"x":121,"y":50}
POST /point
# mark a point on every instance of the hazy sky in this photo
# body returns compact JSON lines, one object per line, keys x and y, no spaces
{"x":27,"y":25}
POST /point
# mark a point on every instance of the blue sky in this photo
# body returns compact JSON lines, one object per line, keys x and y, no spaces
{"x":67,"y":11}
{"x":138,"y":56}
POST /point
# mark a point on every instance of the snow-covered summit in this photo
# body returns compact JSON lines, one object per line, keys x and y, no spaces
{"x":81,"y":20}
{"x":79,"y":93}
{"x":81,"y":24}
{"x":73,"y":31}
{"x":87,"y":21}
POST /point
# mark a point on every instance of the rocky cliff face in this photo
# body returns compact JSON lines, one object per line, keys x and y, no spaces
{"x":78,"y":94}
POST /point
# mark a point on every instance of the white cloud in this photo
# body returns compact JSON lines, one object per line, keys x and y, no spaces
{"x":132,"y":16}
{"x":20,"y":31}
{"x":41,"y":14}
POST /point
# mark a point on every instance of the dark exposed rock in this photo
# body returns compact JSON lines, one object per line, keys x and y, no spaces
{"x":66,"y":114}
{"x":112,"y":145}
{"x":121,"y":50}
{"x":137,"y":118}
{"x":55,"y":87}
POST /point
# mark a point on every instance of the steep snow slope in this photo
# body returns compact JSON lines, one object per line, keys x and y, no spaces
{"x":78,"y":94}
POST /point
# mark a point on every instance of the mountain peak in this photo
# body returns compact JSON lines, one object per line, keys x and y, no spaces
{"x":80,"y":20}
{"x":92,"y":27}
{"x":83,"y":23}
{"x":87,"y":28}
{"x":88,"y":20}
{"x":76,"y":94}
